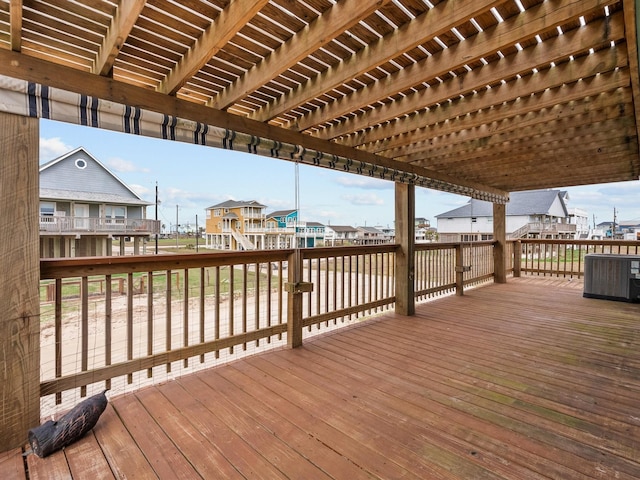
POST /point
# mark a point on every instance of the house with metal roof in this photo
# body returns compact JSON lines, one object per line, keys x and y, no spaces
{"x":529,"y":214}
{"x":84,"y":206}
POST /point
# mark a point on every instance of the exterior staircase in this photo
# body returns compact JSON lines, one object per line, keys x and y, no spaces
{"x":243,"y":241}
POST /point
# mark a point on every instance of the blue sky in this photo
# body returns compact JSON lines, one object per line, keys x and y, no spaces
{"x":195,"y":177}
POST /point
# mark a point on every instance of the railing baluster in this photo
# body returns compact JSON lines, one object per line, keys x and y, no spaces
{"x":185,"y":314}
{"x":58,"y":335}
{"x":107,"y":325}
{"x":216,"y":311}
{"x":130,"y":322}
{"x":202,"y":308}
{"x":232,"y":295}
{"x":84,"y":330}
{"x":168,"y":315}
{"x":149,"y":319}
{"x":256,"y":302}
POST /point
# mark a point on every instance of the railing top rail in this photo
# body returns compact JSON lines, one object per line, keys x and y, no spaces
{"x":82,"y":266}
{"x":631,"y":243}
{"x":441,"y":245}
{"x":322,"y":252}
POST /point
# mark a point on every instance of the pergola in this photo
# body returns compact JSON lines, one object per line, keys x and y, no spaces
{"x":476,"y":97}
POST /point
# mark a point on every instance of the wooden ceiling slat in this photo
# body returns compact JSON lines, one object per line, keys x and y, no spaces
{"x":15,"y":27}
{"x":432,"y":23}
{"x":121,"y":25}
{"x":556,"y":48}
{"x":462,"y":119}
{"x":468,"y":141}
{"x":606,"y":133}
{"x":321,"y":31}
{"x":590,"y":110}
{"x":563,"y":74}
{"x":214,"y":38}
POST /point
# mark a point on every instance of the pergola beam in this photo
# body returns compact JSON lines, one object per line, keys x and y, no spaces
{"x":557,"y":49}
{"x":583,"y":70}
{"x":430,"y":24}
{"x":230,"y":21}
{"x":15,"y":28}
{"x":315,"y":35}
{"x":122,"y":23}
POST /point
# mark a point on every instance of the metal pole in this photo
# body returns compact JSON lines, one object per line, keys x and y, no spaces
{"x":157,"y":233}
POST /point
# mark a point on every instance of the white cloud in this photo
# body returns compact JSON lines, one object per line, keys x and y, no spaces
{"x":367,"y":183}
{"x":363,"y":199}
{"x":121,"y":165}
{"x":51,"y":148}
{"x":141,"y":190}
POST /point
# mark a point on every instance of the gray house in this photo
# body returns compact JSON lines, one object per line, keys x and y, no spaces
{"x":529,"y":214}
{"x":83,"y":206}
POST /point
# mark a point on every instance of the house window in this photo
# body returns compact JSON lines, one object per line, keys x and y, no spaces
{"x":115,"y":214}
{"x":47,"y":209}
{"x":474,"y":219}
{"x":81,"y":163}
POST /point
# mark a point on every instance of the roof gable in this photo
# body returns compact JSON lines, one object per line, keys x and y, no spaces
{"x":534,"y":202}
{"x":78,"y":175}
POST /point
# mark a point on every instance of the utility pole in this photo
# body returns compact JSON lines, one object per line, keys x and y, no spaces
{"x":157,"y":233}
{"x":613,"y":227}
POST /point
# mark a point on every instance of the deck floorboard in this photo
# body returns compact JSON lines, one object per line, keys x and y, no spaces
{"x":525,"y":380}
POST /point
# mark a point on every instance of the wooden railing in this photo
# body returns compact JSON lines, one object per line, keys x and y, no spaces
{"x":446,"y":268}
{"x":123,"y":322}
{"x":564,"y":258}
{"x":124,"y":226}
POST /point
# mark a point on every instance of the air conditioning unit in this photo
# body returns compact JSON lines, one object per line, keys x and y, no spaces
{"x":613,"y":277}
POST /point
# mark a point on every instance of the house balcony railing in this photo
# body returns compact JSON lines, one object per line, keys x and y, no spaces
{"x":125,"y":322}
{"x":55,"y":225}
{"x":542,"y":228}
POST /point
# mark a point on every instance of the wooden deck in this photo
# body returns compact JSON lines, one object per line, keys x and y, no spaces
{"x":525,"y":380}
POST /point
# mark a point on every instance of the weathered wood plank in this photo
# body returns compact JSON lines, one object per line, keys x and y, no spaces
{"x":11,"y":465}
{"x":119,"y":448}
{"x":526,"y":379}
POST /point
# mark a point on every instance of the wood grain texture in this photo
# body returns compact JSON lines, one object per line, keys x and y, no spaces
{"x":526,"y":379}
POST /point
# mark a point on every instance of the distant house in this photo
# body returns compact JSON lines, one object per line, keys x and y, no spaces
{"x":340,"y":235}
{"x":624,"y":230}
{"x":83,"y":207}
{"x":311,"y":234}
{"x":530,"y":214}
{"x":236,"y":225}
{"x":371,"y":236}
{"x":281,"y":229}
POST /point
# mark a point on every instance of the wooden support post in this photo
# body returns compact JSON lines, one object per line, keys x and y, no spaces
{"x":517,"y":258}
{"x":405,"y":237}
{"x":294,"y":300}
{"x":499,"y":247}
{"x":19,"y":282}
{"x":459,"y":270}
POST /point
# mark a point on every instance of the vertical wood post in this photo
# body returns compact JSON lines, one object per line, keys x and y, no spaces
{"x":500,"y":238}
{"x":294,"y":300}
{"x":405,"y":237}
{"x":517,"y":257}
{"x":19,"y":282}
{"x":459,"y":270}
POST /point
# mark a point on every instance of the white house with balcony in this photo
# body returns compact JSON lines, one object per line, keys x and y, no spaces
{"x":84,"y":206}
{"x":529,"y":214}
